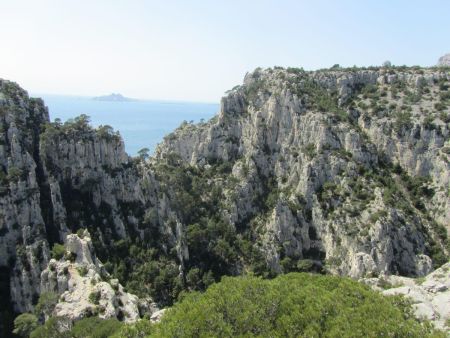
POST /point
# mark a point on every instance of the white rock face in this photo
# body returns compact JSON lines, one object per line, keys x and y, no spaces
{"x":444,"y":60}
{"x":308,"y":178}
{"x":55,"y":182}
{"x":157,"y":315}
{"x":23,"y":244}
{"x":430,"y":295}
{"x":268,"y":127}
{"x":85,"y":288}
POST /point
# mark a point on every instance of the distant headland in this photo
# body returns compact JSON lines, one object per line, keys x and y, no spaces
{"x":113,"y":97}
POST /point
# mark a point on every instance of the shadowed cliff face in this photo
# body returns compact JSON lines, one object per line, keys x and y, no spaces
{"x":23,"y":243}
{"x":339,"y":170}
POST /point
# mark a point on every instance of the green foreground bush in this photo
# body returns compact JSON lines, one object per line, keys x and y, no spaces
{"x":292,"y":305}
{"x":92,"y":327}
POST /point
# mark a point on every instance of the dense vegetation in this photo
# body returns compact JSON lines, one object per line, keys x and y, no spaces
{"x":92,"y":327}
{"x":215,"y":247}
{"x":292,"y":305}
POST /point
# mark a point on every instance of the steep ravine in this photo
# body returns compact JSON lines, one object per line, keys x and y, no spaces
{"x":345,"y":171}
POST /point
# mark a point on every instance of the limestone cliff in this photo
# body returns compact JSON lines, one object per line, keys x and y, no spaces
{"x":444,"y":61}
{"x":24,"y":249}
{"x":342,"y":170}
{"x":55,"y":179}
{"x":340,"y":153}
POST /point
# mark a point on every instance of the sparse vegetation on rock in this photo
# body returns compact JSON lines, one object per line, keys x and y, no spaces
{"x":341,"y":170}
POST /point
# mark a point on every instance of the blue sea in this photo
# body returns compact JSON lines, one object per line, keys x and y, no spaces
{"x":142,"y":124}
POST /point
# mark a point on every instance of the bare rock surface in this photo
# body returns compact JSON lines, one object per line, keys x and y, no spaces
{"x":444,"y":60}
{"x":343,"y":170}
{"x":278,"y":139}
{"x":430,"y":295}
{"x":157,"y":315}
{"x":85,"y":288}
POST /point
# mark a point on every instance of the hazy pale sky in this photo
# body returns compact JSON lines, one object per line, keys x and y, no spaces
{"x":196,"y":50}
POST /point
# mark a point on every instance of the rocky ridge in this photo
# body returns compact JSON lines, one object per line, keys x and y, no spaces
{"x":444,"y":60}
{"x":85,"y":288}
{"x":23,"y":242}
{"x":311,"y":136}
{"x":343,"y":170}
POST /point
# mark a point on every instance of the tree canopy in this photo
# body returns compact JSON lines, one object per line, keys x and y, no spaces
{"x":292,"y":305}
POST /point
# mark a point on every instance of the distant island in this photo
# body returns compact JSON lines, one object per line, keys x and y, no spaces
{"x":113,"y":97}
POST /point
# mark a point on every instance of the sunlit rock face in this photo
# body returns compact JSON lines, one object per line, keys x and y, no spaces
{"x":55,"y":180}
{"x":85,"y":288}
{"x":444,"y":60}
{"x":343,"y":170}
{"x":430,"y":295}
{"x":318,"y":157}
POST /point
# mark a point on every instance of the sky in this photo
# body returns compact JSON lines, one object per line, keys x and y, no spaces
{"x":196,"y":50}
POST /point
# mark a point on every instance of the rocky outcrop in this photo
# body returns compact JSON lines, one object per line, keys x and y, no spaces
{"x":444,"y":60}
{"x":343,"y":170}
{"x":85,"y":288}
{"x":54,"y":179}
{"x":92,"y":165}
{"x":430,"y":295}
{"x":24,"y":249}
{"x":157,"y":316}
{"x":310,"y":138}
{"x":57,"y":178}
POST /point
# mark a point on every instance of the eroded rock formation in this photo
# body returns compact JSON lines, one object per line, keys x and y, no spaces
{"x":341,"y":170}
{"x":85,"y":288}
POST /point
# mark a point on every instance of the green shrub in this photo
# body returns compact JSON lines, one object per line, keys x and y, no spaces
{"x":287,"y":264}
{"x":95,"y":327}
{"x":3,"y":178}
{"x":71,"y":256}
{"x":445,"y":117}
{"x":94,"y":297}
{"x":310,"y":150}
{"x":14,"y":174}
{"x":428,"y":123}
{"x":46,"y":303}
{"x":144,"y":153}
{"x":377,"y":215}
{"x":58,"y":251}
{"x":305,"y":265}
{"x":140,"y":329}
{"x":82,"y":270}
{"x":445,"y":96}
{"x":292,"y":305}
{"x":92,"y":327}
{"x":402,"y":121}
{"x":24,"y":324}
{"x":193,"y":279}
{"x":51,"y":329}
{"x":80,"y":233}
{"x":440,"y":106}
